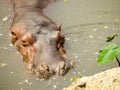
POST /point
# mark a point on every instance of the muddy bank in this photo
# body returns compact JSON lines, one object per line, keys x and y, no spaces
{"x":107,"y":80}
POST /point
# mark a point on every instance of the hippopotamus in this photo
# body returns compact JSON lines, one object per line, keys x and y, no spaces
{"x":38,"y":39}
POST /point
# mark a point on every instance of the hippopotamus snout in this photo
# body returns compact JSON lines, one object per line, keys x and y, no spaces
{"x":55,"y":60}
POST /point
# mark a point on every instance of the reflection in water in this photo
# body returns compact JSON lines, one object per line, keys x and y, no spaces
{"x":83,"y":42}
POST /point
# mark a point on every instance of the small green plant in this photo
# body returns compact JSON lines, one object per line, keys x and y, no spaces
{"x":110,"y":52}
{"x":76,"y":77}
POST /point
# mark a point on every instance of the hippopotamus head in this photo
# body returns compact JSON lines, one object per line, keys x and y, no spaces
{"x":39,"y":39}
{"x":42,"y":49}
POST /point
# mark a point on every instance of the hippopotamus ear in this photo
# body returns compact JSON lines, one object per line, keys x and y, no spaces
{"x":59,"y":27}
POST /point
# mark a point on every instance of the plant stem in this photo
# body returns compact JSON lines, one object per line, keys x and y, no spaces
{"x":118,"y":61}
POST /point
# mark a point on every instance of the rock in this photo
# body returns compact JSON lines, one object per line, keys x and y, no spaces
{"x":107,"y":80}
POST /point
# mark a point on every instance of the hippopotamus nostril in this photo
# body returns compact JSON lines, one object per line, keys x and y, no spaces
{"x":43,"y":66}
{"x":60,"y":68}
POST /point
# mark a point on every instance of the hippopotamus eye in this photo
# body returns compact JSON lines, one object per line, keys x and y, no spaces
{"x":44,"y":24}
{"x":25,"y":43}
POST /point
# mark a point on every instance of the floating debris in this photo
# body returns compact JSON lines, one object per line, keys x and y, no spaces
{"x":116,"y":20}
{"x":20,"y":83}
{"x":105,"y":27}
{"x":76,"y":56}
{"x":95,"y":29}
{"x":67,"y":38}
{"x":17,"y":52}
{"x":2,"y":65}
{"x":9,"y":9}
{"x":99,"y":37}
{"x":54,"y":86}
{"x":11,"y":73}
{"x":74,"y":73}
{"x":54,"y":78}
{"x":37,"y":78}
{"x":21,"y":89}
{"x":5,"y":48}
{"x":1,"y":24}
{"x":76,"y":29}
{"x":64,"y":78}
{"x":10,"y":45}
{"x":5,"y":18}
{"x":75,"y":40}
{"x":96,"y":53}
{"x":41,"y":79}
{"x":49,"y":82}
{"x":84,"y":71}
{"x":100,"y":17}
{"x":1,"y":34}
{"x":91,"y":36}
{"x":85,"y":51}
{"x":65,"y":0}
{"x":25,"y":81}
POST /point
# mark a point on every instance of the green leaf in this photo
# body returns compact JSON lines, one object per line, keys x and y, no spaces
{"x":108,"y":53}
{"x":110,"y":38}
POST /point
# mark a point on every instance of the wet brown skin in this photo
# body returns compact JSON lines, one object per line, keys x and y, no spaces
{"x":39,"y":39}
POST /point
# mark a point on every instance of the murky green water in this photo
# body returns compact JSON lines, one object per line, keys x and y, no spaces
{"x":85,"y":24}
